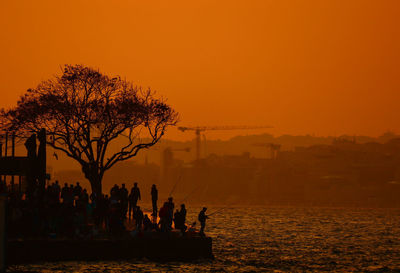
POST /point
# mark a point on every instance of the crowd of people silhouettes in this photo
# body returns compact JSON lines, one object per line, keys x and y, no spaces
{"x":69,"y":211}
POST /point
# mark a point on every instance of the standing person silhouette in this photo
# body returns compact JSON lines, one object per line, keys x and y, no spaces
{"x":138,"y":218}
{"x":154,"y":198}
{"x":202,"y":219}
{"x":171,"y":207}
{"x":183,"y":213}
{"x":134,"y":196}
{"x":124,"y":200}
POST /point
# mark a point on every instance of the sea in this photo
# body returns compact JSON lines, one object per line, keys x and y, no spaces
{"x":277,"y":239}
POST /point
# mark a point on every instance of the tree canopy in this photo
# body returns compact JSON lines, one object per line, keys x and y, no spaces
{"x":84,"y":111}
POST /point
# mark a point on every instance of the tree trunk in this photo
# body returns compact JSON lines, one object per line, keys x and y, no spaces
{"x":95,"y":177}
{"x":96,"y":186}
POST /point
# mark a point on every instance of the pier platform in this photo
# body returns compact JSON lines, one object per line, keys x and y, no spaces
{"x":162,"y":248}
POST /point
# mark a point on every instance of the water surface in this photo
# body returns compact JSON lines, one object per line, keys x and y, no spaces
{"x":262,"y":239}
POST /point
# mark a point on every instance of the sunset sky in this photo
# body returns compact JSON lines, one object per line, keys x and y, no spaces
{"x":326,"y":67}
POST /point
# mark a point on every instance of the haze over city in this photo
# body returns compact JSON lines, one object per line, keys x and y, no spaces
{"x":305,"y":67}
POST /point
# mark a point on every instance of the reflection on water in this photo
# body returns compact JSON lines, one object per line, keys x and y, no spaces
{"x":279,"y":239}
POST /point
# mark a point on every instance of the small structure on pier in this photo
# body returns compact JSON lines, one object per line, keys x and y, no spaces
{"x":31,"y":167}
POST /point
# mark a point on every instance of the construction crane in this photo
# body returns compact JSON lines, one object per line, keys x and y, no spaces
{"x":169,"y":148}
{"x":198,"y":129}
{"x":274,"y":148}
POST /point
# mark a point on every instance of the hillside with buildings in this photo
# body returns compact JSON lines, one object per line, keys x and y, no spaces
{"x":295,"y":170}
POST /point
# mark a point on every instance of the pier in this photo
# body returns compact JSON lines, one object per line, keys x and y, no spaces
{"x":160,"y":248}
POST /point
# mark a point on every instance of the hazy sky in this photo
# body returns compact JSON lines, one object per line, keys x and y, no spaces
{"x":326,"y":67}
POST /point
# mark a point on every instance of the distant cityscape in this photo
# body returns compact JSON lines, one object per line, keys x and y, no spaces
{"x":263,"y":170}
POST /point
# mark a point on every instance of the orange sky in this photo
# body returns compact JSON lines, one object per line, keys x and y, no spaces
{"x":321,"y":67}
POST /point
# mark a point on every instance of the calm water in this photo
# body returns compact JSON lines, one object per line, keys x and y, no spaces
{"x":262,"y":239}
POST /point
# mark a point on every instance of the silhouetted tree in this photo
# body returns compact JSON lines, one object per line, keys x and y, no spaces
{"x":84,"y":111}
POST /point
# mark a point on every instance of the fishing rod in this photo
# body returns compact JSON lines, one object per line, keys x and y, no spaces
{"x":198,"y":187}
{"x":221,"y":209}
{"x":176,"y":183}
{"x":193,"y":191}
{"x":217,"y":211}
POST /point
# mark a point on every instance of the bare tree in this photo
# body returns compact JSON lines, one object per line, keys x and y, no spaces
{"x":84,"y":111}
